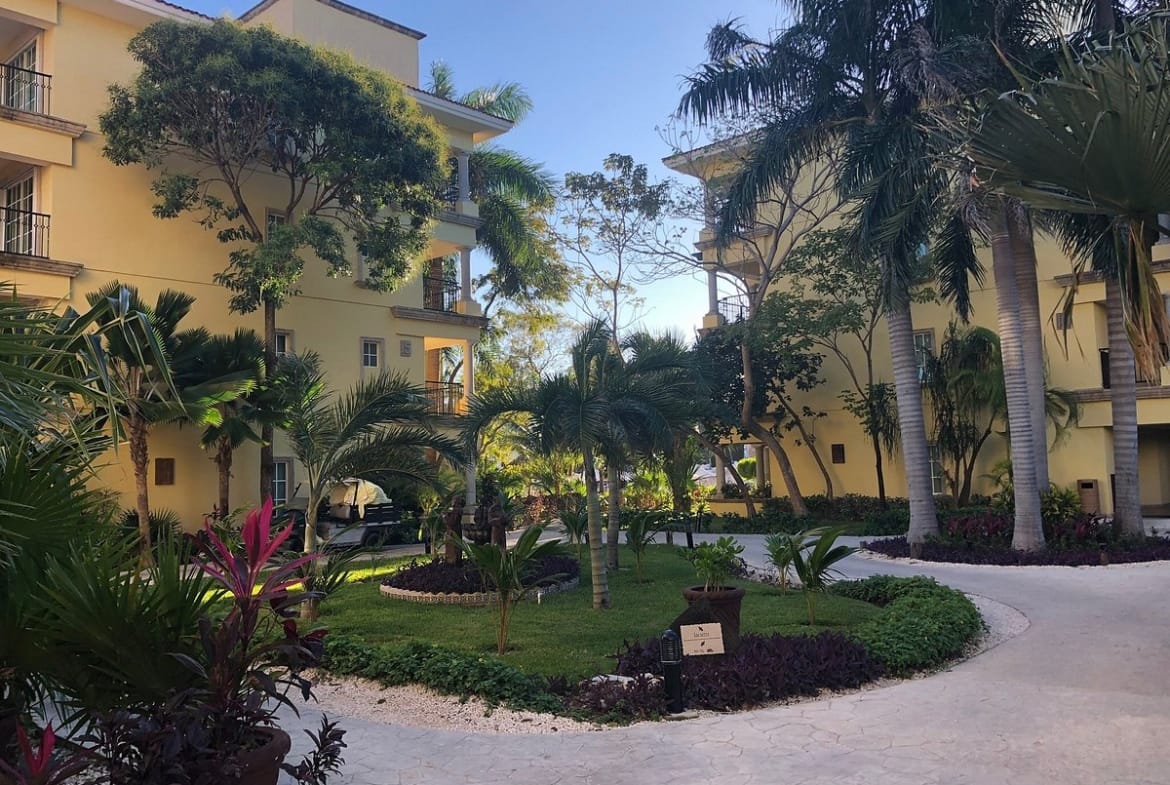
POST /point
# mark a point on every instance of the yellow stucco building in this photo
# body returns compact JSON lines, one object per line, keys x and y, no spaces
{"x":1083,"y":458}
{"x":70,"y":221}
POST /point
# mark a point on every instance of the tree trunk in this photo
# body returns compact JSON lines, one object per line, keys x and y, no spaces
{"x":613,"y":473}
{"x":810,"y":442}
{"x":1032,"y":340}
{"x":596,"y":550}
{"x":139,"y":457}
{"x":1105,"y":20}
{"x":1127,"y":503}
{"x":879,"y":469}
{"x":912,"y":427}
{"x":311,"y":523}
{"x":1028,"y":534}
{"x":223,"y":462}
{"x":266,"y":430}
{"x":755,"y":428}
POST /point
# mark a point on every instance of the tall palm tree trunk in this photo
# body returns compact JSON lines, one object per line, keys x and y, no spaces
{"x":879,"y":469}
{"x":1023,"y":243}
{"x":139,"y":456}
{"x":614,"y":482}
{"x":1127,"y":503}
{"x":912,"y":426}
{"x":223,"y":463}
{"x":1028,"y":534}
{"x":596,"y":550}
{"x":267,"y":431}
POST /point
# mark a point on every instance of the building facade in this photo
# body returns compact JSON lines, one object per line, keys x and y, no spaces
{"x":1076,"y":346}
{"x":70,"y":221}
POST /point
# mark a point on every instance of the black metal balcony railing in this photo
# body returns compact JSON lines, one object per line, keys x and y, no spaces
{"x":734,"y":308}
{"x":444,"y":397}
{"x":24,"y":232}
{"x":440,"y":294}
{"x":25,"y":90}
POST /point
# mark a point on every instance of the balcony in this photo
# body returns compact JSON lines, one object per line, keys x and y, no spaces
{"x":24,"y":233}
{"x":24,"y":90}
{"x":440,"y":293}
{"x":445,"y":397}
{"x":734,"y":308}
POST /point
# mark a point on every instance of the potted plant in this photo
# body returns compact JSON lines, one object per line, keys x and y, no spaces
{"x":714,"y":563}
{"x":223,"y":728}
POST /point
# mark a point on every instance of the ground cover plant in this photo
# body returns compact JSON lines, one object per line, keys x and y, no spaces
{"x":1122,"y":551}
{"x":438,"y":577}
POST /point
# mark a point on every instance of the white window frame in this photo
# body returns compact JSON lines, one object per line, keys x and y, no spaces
{"x":272,"y":218}
{"x":7,"y":244}
{"x":30,"y":102}
{"x":920,"y":351}
{"x":289,"y":343}
{"x":938,"y":476}
{"x":379,"y":345}
{"x":285,"y":464}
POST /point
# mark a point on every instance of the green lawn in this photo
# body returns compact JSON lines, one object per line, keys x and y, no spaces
{"x":564,"y":635}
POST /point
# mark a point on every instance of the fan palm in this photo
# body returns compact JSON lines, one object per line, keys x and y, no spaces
{"x":1090,"y":141}
{"x":382,"y":427}
{"x":598,"y":403}
{"x":139,"y":362}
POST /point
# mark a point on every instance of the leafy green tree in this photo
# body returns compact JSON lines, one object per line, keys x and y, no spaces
{"x":597,"y":402}
{"x":360,"y":164}
{"x":139,"y":362}
{"x":380,"y":428}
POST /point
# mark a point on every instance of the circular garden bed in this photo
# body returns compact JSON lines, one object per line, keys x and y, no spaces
{"x":438,"y":583}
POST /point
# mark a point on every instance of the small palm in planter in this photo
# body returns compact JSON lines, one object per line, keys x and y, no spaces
{"x":714,"y":563}
{"x":509,"y":570}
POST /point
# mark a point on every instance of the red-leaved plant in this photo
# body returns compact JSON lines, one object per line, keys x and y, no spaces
{"x":40,"y":767}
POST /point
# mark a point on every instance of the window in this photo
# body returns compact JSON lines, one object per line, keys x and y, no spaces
{"x":937,"y":476}
{"x":164,"y":471}
{"x":923,"y":354}
{"x":838,"y":451}
{"x":274,"y":218}
{"x":405,"y":348}
{"x":1063,"y":321}
{"x":18,"y":217}
{"x":1104,"y":353}
{"x":284,"y":343}
{"x":281,"y":481}
{"x":371,"y":354}
{"x":20,"y":80}
{"x":1164,"y":226}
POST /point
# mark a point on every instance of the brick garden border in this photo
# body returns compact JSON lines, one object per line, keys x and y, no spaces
{"x":474,"y":599}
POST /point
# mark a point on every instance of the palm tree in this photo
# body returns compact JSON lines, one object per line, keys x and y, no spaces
{"x":848,"y":78}
{"x":514,"y":195}
{"x":139,"y":362}
{"x":597,"y":403}
{"x":383,"y":426}
{"x":241,"y":353}
{"x":1090,"y":141}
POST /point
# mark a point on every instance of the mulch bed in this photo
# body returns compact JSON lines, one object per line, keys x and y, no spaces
{"x":438,"y":577}
{"x":1120,"y":552}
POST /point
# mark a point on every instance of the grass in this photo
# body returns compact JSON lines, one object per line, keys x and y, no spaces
{"x":564,"y":635}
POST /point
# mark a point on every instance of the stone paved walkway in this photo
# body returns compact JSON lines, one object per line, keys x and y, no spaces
{"x":1081,"y":698}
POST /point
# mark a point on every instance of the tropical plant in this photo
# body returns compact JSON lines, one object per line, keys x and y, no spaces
{"x":381,"y":427}
{"x":781,"y":548}
{"x":359,"y":161}
{"x":140,"y":364}
{"x":508,"y":570}
{"x":597,"y":402}
{"x":1102,"y":103}
{"x":813,"y":563}
{"x":319,"y":578}
{"x":714,"y":562}
{"x":576,"y":523}
{"x":641,"y":527}
{"x":42,"y":767}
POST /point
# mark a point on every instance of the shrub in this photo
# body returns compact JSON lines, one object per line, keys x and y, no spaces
{"x":608,"y":700}
{"x":762,"y":669}
{"x":438,"y":577}
{"x":895,"y":520}
{"x":1123,"y":551}
{"x":924,"y":624}
{"x":1059,"y":505}
{"x":714,"y":562}
{"x":443,"y":670}
{"x":986,"y":528}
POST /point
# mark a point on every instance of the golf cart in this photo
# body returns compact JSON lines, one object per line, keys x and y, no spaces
{"x":356,"y":514}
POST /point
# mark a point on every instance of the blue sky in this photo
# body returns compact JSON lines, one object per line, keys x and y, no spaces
{"x":602,"y":75}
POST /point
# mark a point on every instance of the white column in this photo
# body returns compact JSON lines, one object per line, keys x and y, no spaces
{"x":712,"y":292}
{"x":720,"y":476}
{"x":464,"y":160}
{"x":465,"y":274}
{"x":762,"y":478}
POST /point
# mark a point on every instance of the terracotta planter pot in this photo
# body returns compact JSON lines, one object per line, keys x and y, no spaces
{"x":725,"y":603}
{"x":261,"y":766}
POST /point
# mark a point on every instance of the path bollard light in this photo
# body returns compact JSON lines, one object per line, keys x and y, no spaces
{"x":670,"y":654}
